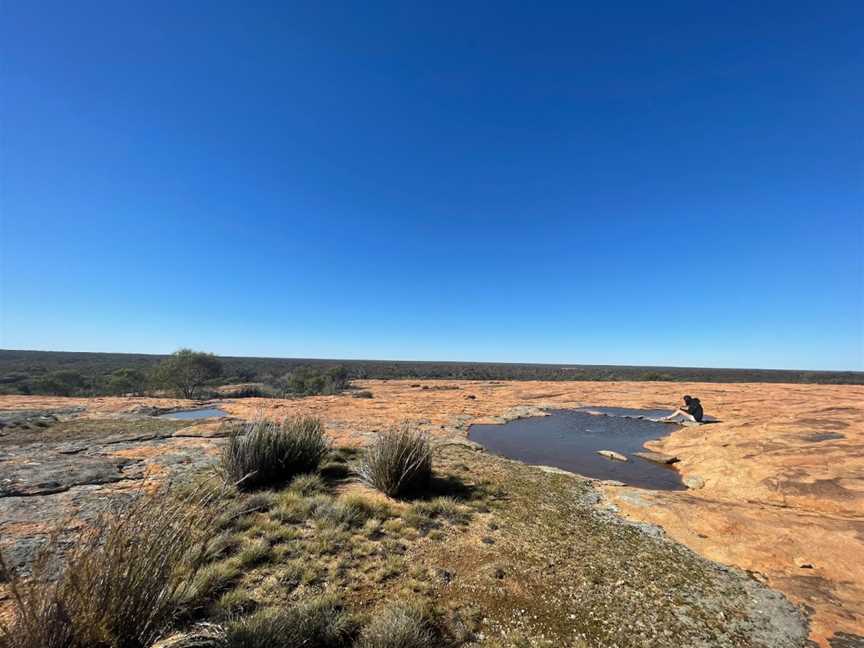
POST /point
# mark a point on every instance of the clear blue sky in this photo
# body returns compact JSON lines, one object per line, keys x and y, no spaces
{"x":633,"y":183}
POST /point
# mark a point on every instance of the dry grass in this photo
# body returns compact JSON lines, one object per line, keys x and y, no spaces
{"x":401,"y":625}
{"x":259,"y":576}
{"x":121,"y":584}
{"x":398,"y":462}
{"x":322,"y":622}
{"x":266,"y":453}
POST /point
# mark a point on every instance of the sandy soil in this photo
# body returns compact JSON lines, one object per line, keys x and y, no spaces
{"x":783,"y":470}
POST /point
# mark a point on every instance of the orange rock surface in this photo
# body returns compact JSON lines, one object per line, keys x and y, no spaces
{"x":783,"y":469}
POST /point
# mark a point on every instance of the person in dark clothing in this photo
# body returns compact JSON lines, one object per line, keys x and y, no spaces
{"x":691,"y":411}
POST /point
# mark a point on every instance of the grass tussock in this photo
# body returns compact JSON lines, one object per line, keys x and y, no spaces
{"x":121,"y":584}
{"x":310,"y":484}
{"x":319,"y":623}
{"x":401,"y":625}
{"x":398,"y":462}
{"x":266,"y":453}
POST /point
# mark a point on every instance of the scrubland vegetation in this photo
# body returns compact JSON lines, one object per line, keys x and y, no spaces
{"x":185,"y":374}
{"x":477,"y":550}
{"x":287,"y":553}
{"x":122,"y":581}
{"x":85,"y":374}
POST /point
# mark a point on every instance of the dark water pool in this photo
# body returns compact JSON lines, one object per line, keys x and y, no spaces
{"x":570,"y":439}
{"x":208,"y":412}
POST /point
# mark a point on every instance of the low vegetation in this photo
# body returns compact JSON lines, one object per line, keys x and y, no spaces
{"x":280,"y":567}
{"x":121,"y":583}
{"x":266,"y":453}
{"x":397,"y":463}
{"x":322,"y":622}
{"x":491,"y":552}
{"x":309,"y":381}
{"x":88,"y":374}
{"x":401,"y":625}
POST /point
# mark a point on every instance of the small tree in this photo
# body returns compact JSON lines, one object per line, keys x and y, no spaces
{"x":187,"y":371}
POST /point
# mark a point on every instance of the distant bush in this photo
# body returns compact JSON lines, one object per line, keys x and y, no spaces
{"x":363,"y":393}
{"x":187,"y":371}
{"x":126,"y":381}
{"x":255,"y":390}
{"x":398,"y":462}
{"x":64,"y":382}
{"x":265,"y":453}
{"x":120,"y":584}
{"x":308,"y":381}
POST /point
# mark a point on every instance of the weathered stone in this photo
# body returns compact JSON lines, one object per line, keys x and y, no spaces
{"x":657,"y":457}
{"x":557,"y":471}
{"x":611,"y":454}
{"x":54,"y":472}
{"x":209,"y":430}
{"x":694,"y":482}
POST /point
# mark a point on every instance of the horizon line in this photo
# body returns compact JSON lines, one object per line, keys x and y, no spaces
{"x":475,"y":362}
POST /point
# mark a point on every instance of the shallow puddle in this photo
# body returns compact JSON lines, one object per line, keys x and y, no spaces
{"x":185,"y":415}
{"x":570,"y":439}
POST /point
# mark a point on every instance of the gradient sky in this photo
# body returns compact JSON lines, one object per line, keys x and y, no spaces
{"x":672,"y":183}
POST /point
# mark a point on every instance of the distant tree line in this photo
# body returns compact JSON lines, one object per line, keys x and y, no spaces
{"x":185,"y":373}
{"x":194,"y":374}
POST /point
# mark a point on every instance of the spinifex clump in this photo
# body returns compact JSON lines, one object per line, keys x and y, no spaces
{"x":398,"y":462}
{"x":265,"y":453}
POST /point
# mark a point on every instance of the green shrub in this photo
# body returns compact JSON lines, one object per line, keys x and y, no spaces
{"x":187,"y":371}
{"x":272,"y":453}
{"x":120,"y":584}
{"x":320,"y":623}
{"x":398,"y":462}
{"x":126,"y":381}
{"x":400,"y":625}
{"x":309,"y":381}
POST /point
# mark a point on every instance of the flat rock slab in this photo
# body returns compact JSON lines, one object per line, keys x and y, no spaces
{"x":611,"y":454}
{"x":766,"y":485}
{"x":54,"y":472}
{"x":209,"y":430}
{"x":657,"y":457}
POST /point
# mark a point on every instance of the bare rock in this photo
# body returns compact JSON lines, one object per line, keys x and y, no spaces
{"x":657,"y":457}
{"x":209,"y":430}
{"x":611,"y":454}
{"x":55,"y":472}
{"x":552,"y":470}
{"x":694,"y":482}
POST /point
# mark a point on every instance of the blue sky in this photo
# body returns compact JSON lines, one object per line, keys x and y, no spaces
{"x":630,"y":183}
